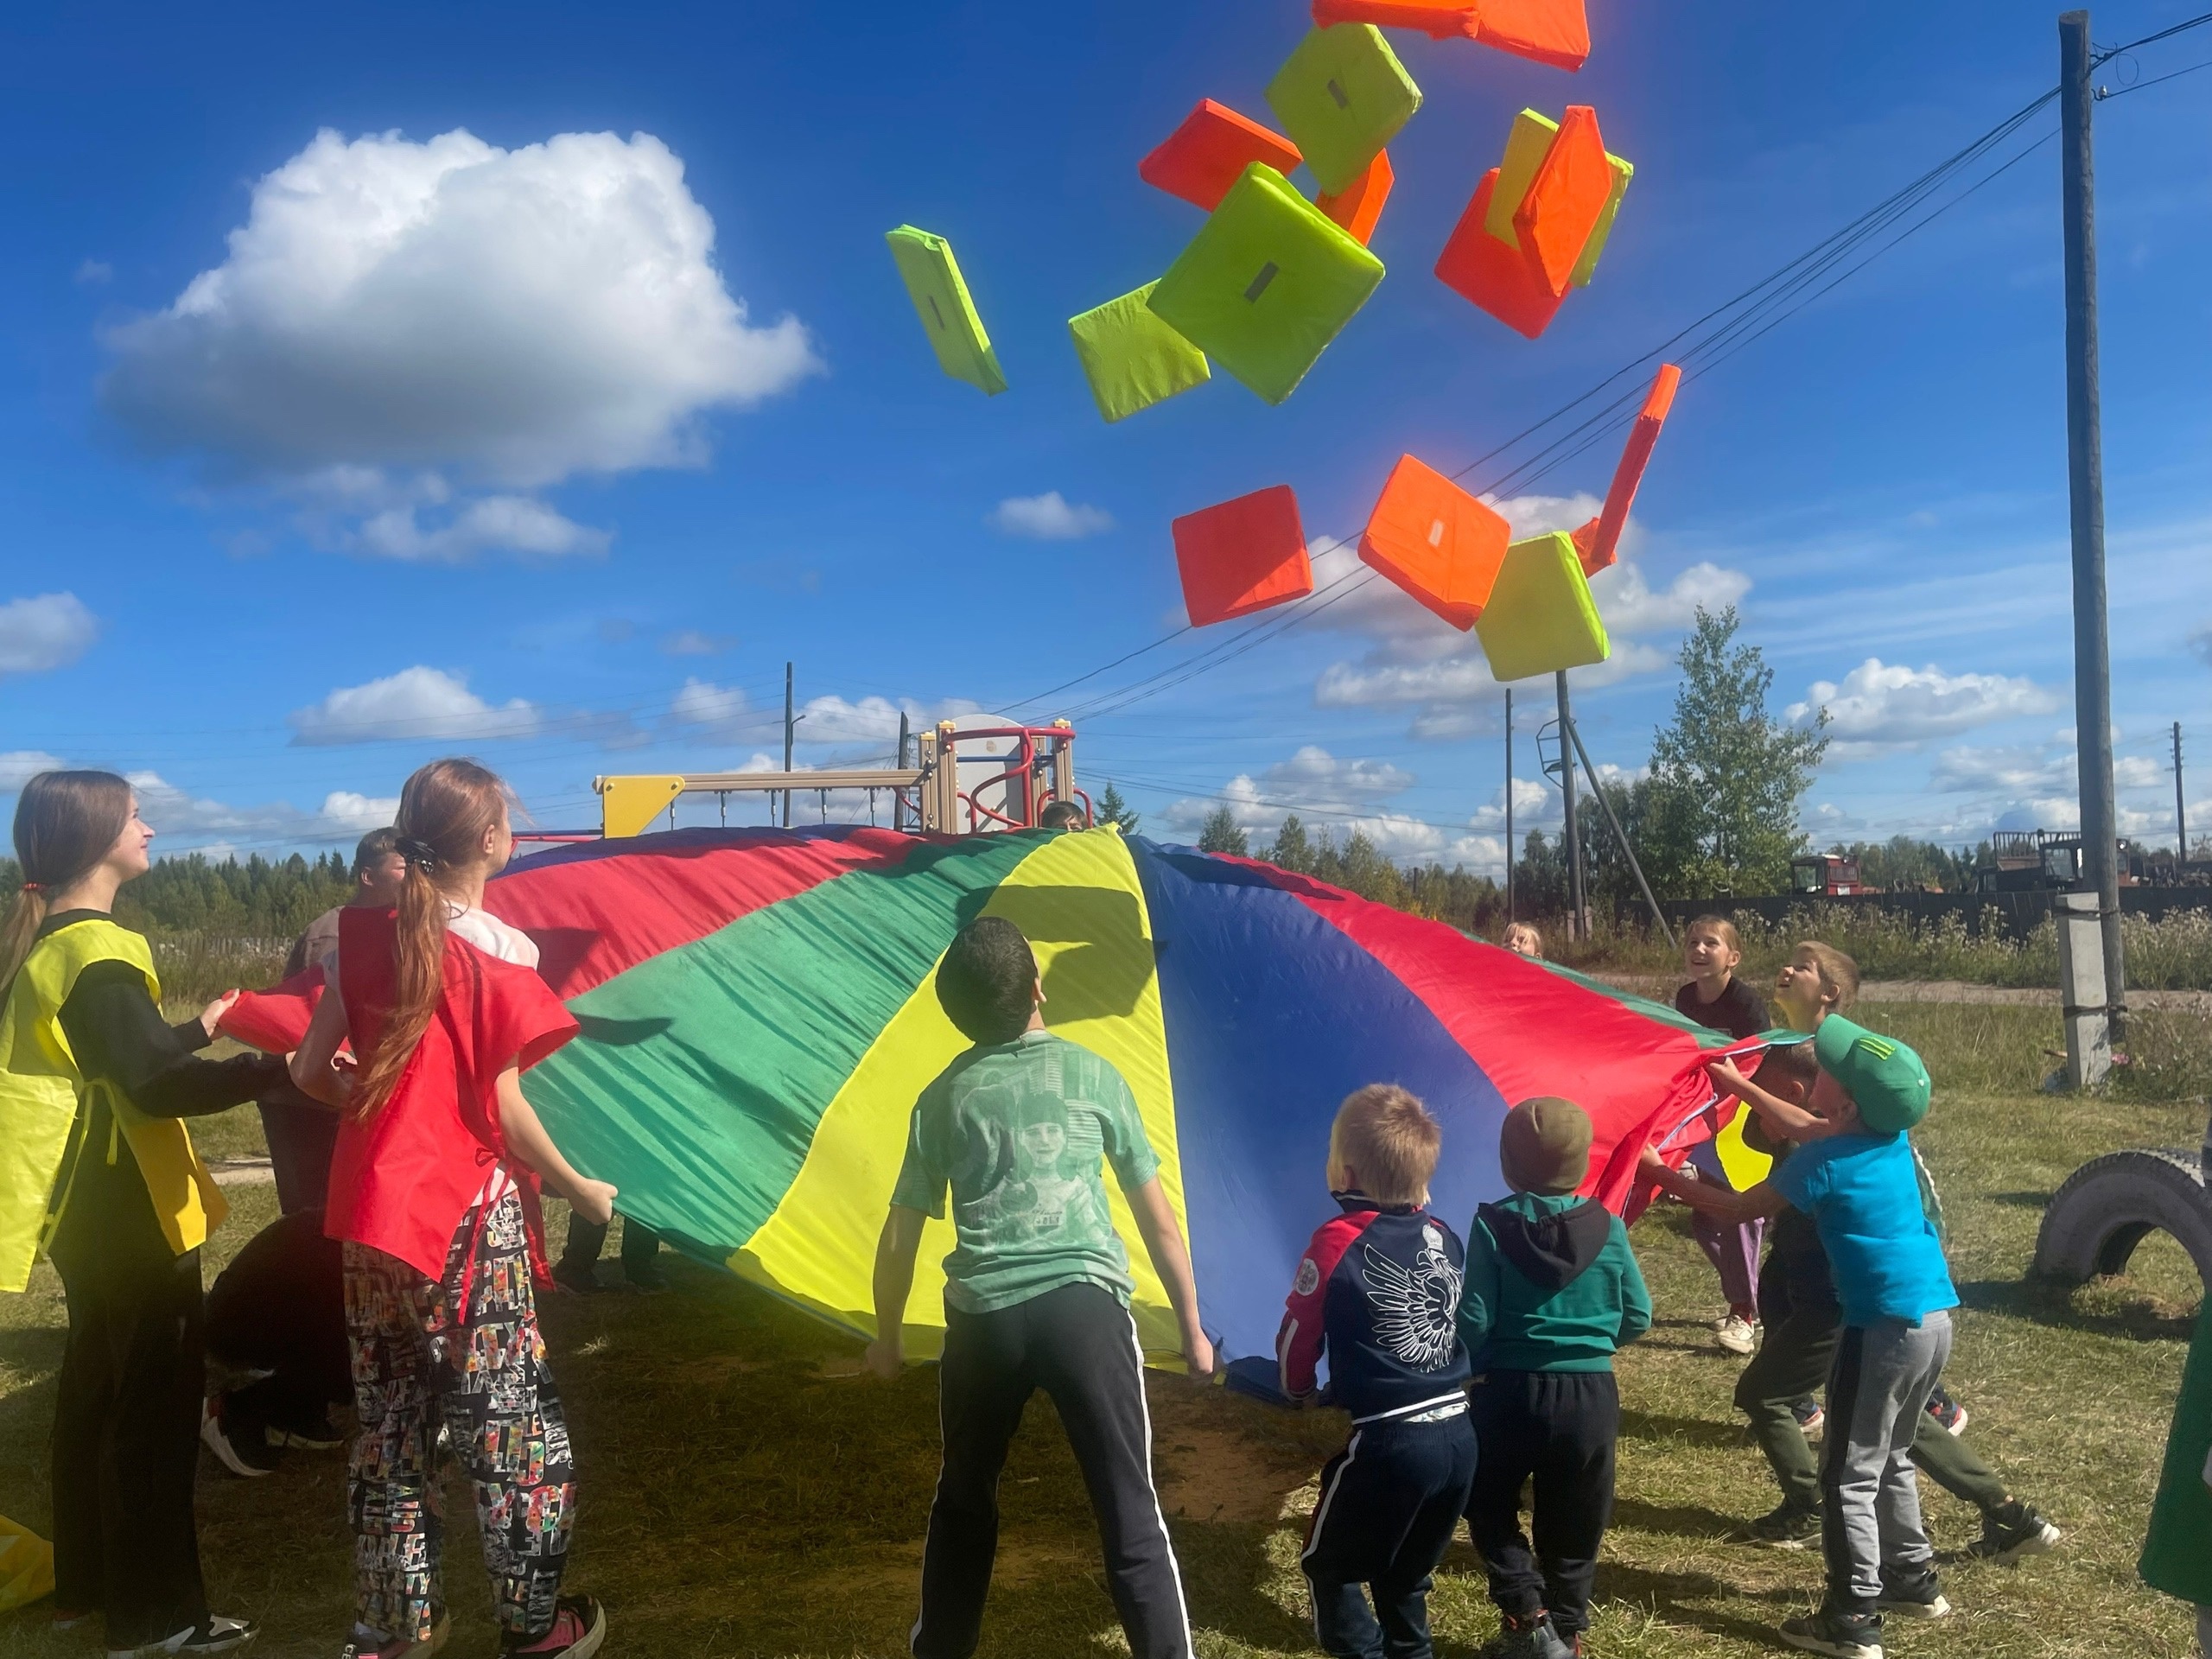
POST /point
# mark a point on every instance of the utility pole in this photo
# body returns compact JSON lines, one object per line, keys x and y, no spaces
{"x":2086,"y":487}
{"x":1510,"y":916}
{"x":2181,"y":811}
{"x":1578,"y":926}
{"x":790,"y":726}
{"x":897,"y":796}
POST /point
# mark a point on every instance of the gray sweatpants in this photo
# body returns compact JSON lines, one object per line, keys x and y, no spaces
{"x":1870,"y":1506}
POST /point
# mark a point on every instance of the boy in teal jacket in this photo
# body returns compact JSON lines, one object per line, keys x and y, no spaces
{"x":1552,"y":1289}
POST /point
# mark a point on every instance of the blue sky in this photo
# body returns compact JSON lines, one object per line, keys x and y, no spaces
{"x":534,"y":382}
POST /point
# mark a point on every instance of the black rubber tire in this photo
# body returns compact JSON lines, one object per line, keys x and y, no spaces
{"x":2106,"y":1207}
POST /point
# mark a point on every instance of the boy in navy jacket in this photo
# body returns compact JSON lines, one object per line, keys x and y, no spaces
{"x":1379,"y":1289}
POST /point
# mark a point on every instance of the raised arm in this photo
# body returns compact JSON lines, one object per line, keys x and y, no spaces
{"x":1711,"y":1198}
{"x":1171,"y":1260}
{"x":1790,"y":1122}
{"x":895,"y":1250}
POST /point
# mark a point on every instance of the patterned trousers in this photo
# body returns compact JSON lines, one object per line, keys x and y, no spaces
{"x":483,"y":1376}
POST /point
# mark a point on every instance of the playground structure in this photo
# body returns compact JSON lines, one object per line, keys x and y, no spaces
{"x":1035,"y":766}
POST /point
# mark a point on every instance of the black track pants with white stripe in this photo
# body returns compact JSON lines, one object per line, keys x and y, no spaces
{"x":1079,"y":1345}
{"x":1390,"y":1502}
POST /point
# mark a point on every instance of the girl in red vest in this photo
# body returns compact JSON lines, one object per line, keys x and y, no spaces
{"x":433,"y":1192}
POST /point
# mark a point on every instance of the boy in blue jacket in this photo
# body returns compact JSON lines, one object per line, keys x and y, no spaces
{"x":1853,"y":1172}
{"x":1553,"y":1289}
{"x":1378,"y":1288}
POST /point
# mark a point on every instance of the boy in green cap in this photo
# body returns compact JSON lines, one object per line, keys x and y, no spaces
{"x":1552,"y":1289}
{"x":1852,"y":1173}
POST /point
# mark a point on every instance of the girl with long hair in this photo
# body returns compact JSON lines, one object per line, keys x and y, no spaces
{"x":434,"y":1193}
{"x":100,"y":1173}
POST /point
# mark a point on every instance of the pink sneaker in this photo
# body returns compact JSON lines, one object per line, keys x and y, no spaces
{"x":579,"y":1627}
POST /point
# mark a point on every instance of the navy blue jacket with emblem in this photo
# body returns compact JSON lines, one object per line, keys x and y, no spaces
{"x":1378,"y":1288}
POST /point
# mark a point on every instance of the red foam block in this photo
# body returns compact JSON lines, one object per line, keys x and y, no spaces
{"x":1598,"y":542}
{"x":1210,"y":151}
{"x":1478,"y":267}
{"x":1243,"y":556}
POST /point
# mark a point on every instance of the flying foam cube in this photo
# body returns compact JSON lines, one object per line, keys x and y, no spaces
{"x":1565,"y":200}
{"x":1587,"y":267}
{"x":1526,"y":147}
{"x":1541,"y":617}
{"x":1201,"y":159}
{"x":1441,"y":20}
{"x":1358,"y":208}
{"x":1556,"y":32}
{"x":1436,"y":541}
{"x":1243,"y":556}
{"x":1477,"y":266}
{"x":1341,"y":97}
{"x":1267,"y":283}
{"x":1132,"y":358}
{"x":1597,"y":542}
{"x":949,"y":315}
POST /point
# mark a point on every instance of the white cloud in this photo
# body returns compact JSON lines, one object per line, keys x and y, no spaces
{"x":186,"y":822}
{"x":2201,"y":643}
{"x":516,"y":523}
{"x":51,"y":631}
{"x":1630,"y":608}
{"x":1048,"y":517}
{"x":92,"y":273}
{"x":417,"y":704}
{"x":725,"y":715}
{"x":19,"y":766}
{"x":392,"y":308}
{"x":1880,"y":705}
{"x":346,"y":810}
{"x":691,"y":642}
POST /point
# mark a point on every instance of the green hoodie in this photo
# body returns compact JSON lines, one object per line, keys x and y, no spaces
{"x":1551,"y":1286}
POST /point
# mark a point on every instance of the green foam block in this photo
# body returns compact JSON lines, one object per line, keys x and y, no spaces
{"x":949,"y":315}
{"x":1342,"y":97}
{"x":1131,"y":358}
{"x":1541,"y":617}
{"x":1266,"y":284}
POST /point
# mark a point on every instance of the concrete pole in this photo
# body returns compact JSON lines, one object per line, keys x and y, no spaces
{"x":790,"y":726}
{"x":1579,"y":927}
{"x":2085,"y":480}
{"x":1510,"y":916}
{"x":2181,"y":807}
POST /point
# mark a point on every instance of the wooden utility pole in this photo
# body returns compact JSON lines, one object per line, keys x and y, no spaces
{"x":1579,"y":926}
{"x":2086,"y":487}
{"x":1510,"y":916}
{"x":790,"y":726}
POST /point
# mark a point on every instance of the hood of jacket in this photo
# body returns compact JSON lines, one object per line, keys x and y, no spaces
{"x":1550,"y":1245}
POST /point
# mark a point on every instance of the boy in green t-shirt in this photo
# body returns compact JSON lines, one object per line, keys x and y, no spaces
{"x":1037,"y":1290}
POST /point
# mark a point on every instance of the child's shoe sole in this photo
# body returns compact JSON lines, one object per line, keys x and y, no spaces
{"x":1939,"y":1608}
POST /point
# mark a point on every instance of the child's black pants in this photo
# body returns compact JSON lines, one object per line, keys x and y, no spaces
{"x":1079,"y":1344}
{"x":1390,"y":1501}
{"x":1559,"y":1427}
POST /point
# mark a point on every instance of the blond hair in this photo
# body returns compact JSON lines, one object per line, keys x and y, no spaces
{"x":1386,"y":1134}
{"x":1721,"y":925}
{"x":1839,"y":973}
{"x":1517,"y":931}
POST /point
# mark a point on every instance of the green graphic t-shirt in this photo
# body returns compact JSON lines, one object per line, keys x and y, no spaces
{"x":1018,"y":1131}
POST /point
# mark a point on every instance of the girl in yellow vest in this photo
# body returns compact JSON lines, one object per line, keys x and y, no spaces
{"x":99,"y":1172}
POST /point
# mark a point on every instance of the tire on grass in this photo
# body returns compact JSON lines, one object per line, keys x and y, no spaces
{"x":2106,"y":1207}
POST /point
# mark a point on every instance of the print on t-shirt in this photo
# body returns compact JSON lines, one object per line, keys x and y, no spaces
{"x":1416,"y":1309}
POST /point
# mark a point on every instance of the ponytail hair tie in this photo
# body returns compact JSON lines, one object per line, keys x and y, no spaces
{"x":420,"y":854}
{"x":32,"y":887}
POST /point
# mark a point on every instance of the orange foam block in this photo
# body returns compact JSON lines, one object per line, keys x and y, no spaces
{"x":1437,"y":542}
{"x":1439,"y":20}
{"x":1556,"y":32}
{"x":1210,"y":151}
{"x":1243,"y":556}
{"x":1565,"y":201}
{"x":1597,"y":544}
{"x":1478,"y":267}
{"x":1358,"y":206}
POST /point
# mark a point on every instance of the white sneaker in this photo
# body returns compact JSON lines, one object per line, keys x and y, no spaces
{"x":1737,"y":1334}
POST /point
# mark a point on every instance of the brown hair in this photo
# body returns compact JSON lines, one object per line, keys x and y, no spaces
{"x":65,"y":824}
{"x":444,"y":812}
{"x":1839,"y":973}
{"x":1719,"y":925}
{"x":1790,"y":1063}
{"x":1387,"y":1135}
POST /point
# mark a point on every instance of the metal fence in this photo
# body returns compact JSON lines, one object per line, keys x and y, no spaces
{"x":2016,"y":914}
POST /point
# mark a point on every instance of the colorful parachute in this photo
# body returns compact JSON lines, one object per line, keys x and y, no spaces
{"x":758,"y":1015}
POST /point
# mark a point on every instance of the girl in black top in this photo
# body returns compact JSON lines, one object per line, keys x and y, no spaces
{"x":127,"y":1424}
{"x":1715,"y":997}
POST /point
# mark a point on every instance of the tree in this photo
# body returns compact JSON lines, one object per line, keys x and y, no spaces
{"x":1220,"y":833}
{"x":1727,"y":778}
{"x":1292,"y":850}
{"x":1112,"y":808}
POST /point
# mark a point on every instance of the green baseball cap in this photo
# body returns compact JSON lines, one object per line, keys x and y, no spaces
{"x":1884,"y":1080}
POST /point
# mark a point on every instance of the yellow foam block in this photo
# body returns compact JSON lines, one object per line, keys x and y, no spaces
{"x":1525,"y":146}
{"x":1541,"y":617}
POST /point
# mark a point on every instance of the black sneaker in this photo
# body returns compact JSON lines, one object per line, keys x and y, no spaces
{"x":312,"y":1434}
{"x":2013,"y":1533}
{"x":1841,"y":1636}
{"x":646,"y":1277}
{"x":239,"y":1448}
{"x":581,"y":1277}
{"x":1786,"y":1526}
{"x":1913,"y":1595}
{"x":1530,"y":1639}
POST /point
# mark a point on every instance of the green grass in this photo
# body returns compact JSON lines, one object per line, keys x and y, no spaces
{"x":745,"y":1492}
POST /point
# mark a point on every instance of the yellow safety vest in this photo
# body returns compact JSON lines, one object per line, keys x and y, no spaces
{"x":42,"y":1093}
